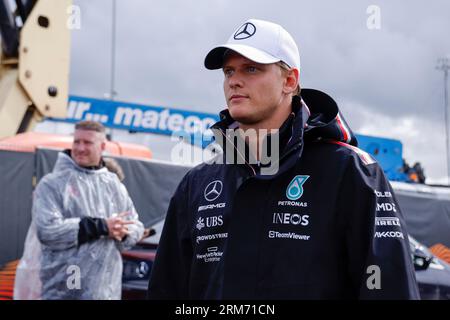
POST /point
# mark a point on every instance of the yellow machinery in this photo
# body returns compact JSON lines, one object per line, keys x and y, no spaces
{"x":34,"y":63}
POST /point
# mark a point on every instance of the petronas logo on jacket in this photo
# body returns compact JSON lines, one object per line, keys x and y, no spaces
{"x":295,"y":188}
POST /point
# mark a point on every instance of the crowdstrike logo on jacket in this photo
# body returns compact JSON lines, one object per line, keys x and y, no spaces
{"x":213,"y":236}
{"x":295,"y":188}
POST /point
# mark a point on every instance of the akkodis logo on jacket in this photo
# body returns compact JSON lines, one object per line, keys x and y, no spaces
{"x":295,"y":188}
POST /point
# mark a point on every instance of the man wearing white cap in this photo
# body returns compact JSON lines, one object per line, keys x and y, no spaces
{"x":324,"y":224}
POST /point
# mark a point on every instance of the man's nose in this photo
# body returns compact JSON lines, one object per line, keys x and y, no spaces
{"x":235,"y":80}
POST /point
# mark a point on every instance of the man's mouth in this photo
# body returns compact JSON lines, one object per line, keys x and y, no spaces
{"x":238,"y":97}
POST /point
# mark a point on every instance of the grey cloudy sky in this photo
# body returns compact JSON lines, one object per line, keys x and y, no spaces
{"x":384,"y":80}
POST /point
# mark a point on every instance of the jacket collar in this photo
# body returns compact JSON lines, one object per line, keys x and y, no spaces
{"x":315,"y":116}
{"x":290,"y":137}
{"x":101,"y":165}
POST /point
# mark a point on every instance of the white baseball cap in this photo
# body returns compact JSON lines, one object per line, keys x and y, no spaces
{"x":260,"y":41}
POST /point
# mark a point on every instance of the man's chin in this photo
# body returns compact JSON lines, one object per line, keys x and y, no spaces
{"x":82,"y":163}
{"x":243,"y":119}
{"x":241,"y":116}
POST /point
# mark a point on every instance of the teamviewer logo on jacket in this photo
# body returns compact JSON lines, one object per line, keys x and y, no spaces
{"x":295,"y":188}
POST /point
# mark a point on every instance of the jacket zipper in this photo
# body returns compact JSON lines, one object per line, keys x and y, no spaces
{"x":253,"y":172}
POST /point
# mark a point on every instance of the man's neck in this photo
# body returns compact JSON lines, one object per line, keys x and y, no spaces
{"x":100,"y":165}
{"x":255,"y":134}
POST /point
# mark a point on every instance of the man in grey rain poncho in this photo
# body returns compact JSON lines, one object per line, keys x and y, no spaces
{"x":83,"y":217}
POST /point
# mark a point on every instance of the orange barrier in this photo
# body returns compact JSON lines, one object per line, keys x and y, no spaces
{"x":29,"y":141}
{"x":7,"y":277}
{"x":441,"y":251}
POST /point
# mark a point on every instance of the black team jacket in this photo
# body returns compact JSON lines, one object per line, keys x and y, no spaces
{"x":326,"y":225}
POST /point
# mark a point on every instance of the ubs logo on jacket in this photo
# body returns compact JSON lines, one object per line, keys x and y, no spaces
{"x":209,"y":222}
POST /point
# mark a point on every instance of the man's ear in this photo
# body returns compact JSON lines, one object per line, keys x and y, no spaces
{"x":292,"y":81}
{"x":103,"y":143}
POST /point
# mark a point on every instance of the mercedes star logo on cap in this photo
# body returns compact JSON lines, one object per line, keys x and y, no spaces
{"x":245,"y":31}
{"x":213,"y":190}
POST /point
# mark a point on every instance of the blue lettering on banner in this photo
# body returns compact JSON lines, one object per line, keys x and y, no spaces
{"x":140,"y":118}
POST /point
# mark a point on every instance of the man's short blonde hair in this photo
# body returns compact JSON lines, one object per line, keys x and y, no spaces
{"x":90,"y":125}
{"x":285,"y":68}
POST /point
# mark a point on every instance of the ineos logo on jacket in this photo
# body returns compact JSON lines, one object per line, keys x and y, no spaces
{"x":213,"y":190}
{"x":289,"y":218}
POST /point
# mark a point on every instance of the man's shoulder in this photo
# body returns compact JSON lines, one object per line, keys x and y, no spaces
{"x":55,"y":177}
{"x":48,"y":184}
{"x":364,"y":156}
{"x":358,"y":163}
{"x":203,"y":173}
{"x":52,"y":177}
{"x":205,"y":168}
{"x":343,"y":151}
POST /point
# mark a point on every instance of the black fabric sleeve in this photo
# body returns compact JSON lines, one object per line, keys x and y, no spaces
{"x":170,"y":273}
{"x":379,"y":258}
{"x":91,"y":229}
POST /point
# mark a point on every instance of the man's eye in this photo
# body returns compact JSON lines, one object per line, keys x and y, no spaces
{"x":227,"y":72}
{"x":251,"y":69}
